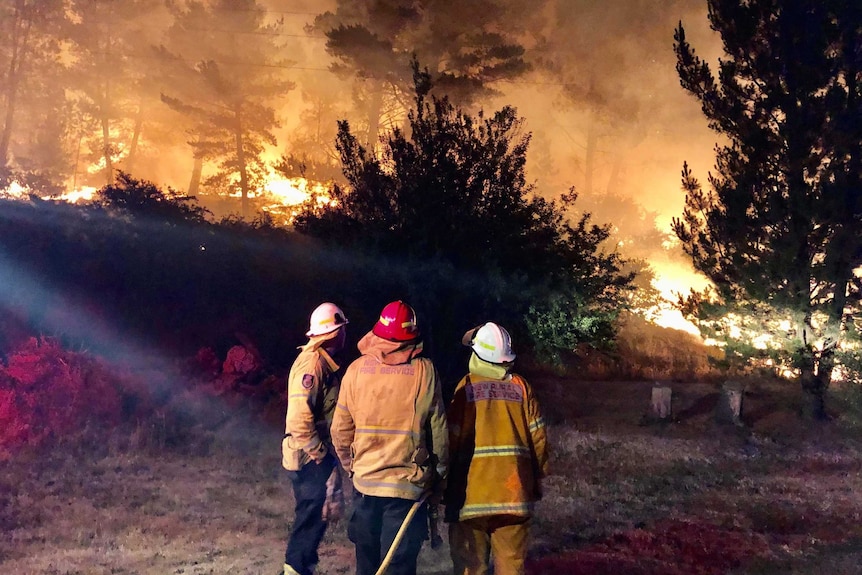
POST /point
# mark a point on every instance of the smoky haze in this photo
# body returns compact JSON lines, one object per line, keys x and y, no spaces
{"x":595,"y":83}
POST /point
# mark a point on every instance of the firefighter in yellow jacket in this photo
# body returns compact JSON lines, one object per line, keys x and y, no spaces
{"x":389,"y":430}
{"x":499,"y":457}
{"x":307,"y":454}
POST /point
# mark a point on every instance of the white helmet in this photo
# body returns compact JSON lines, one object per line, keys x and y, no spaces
{"x":326,"y":318}
{"x":491,"y":343}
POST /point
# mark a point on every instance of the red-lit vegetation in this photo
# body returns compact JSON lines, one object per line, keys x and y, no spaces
{"x":47,"y":392}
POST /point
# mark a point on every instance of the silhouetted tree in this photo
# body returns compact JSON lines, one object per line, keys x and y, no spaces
{"x":453,"y":188}
{"x":467,"y":46}
{"x":109,"y":42}
{"x":779,"y":224}
{"x":233,"y":78}
{"x":29,"y":61}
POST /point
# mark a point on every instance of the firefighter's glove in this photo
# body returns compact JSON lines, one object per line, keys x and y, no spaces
{"x":333,"y":507}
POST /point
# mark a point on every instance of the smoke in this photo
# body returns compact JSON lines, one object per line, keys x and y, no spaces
{"x":604,"y":106}
{"x":608,"y":116}
{"x":602,"y":101}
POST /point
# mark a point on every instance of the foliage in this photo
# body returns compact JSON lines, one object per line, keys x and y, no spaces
{"x":775,"y":227}
{"x":469,"y":45}
{"x":29,"y":56}
{"x":565,"y":321}
{"x":454,"y":189}
{"x":226,"y":88}
{"x":48,"y":393}
{"x":105,"y":41}
{"x":145,"y":200}
{"x":39,"y":182}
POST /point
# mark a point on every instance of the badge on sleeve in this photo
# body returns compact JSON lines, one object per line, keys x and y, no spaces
{"x":307,"y":381}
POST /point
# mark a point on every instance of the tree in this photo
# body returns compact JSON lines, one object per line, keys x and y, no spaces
{"x":454,"y":190}
{"x":107,"y":42}
{"x":232,"y":79}
{"x":468,"y":47}
{"x":777,"y":225}
{"x":29,"y":54}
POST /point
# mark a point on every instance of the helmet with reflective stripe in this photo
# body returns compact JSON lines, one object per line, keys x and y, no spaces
{"x":326,"y":318}
{"x":491,"y":342}
{"x":397,"y":322}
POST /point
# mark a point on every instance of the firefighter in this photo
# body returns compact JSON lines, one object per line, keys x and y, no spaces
{"x":307,"y":454}
{"x":389,"y":431}
{"x":499,"y":457}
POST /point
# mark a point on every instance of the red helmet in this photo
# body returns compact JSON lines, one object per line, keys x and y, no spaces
{"x":397,"y":322}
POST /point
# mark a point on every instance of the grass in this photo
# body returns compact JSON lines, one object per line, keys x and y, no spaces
{"x":778,"y":495}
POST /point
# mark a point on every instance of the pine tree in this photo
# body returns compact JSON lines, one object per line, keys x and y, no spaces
{"x":29,"y":56}
{"x":231,"y":80}
{"x":777,"y":224}
{"x":466,"y":45}
{"x":109,"y":44}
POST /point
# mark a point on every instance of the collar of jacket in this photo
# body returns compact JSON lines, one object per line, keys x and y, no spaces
{"x":389,"y":352}
{"x":316,"y":344}
{"x":316,"y":341}
{"x":479,"y":366}
{"x":333,"y":367}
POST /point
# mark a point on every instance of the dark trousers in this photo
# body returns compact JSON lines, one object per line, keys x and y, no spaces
{"x":373,"y":525}
{"x":309,"y":491}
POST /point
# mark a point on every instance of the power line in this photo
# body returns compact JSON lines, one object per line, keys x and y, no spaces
{"x":313,"y":68}
{"x":218,"y":30}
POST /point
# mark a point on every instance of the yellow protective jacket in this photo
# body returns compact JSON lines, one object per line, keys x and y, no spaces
{"x":389,"y":428}
{"x":312,"y":392}
{"x":499,"y":445}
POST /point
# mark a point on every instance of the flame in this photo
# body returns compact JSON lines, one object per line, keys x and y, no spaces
{"x":673,"y":278}
{"x":666,"y":315}
{"x":281,"y":197}
{"x":294,"y":191}
{"x":15,"y":191}
{"x":83,"y":194}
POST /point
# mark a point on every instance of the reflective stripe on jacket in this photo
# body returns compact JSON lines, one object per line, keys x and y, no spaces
{"x":499,"y":448}
{"x":390,"y":406}
{"x":312,"y":392}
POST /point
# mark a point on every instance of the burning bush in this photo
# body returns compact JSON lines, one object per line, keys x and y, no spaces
{"x":47,"y":393}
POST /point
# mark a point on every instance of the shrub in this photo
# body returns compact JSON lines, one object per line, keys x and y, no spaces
{"x":48,"y":393}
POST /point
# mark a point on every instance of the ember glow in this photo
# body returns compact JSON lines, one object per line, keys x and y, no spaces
{"x":83,"y":194}
{"x":80,"y":195}
{"x":282,"y":196}
{"x":672,"y":279}
{"x":15,"y":191}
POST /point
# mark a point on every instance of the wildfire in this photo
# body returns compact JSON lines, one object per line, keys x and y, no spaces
{"x":673,"y":278}
{"x":81,"y":195}
{"x":294,"y":191}
{"x":20,"y":192}
{"x":15,"y":191}
{"x":281,"y":197}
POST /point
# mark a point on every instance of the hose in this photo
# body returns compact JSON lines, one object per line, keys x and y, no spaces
{"x":400,"y":535}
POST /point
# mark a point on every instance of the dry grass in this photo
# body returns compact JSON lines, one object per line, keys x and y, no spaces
{"x":778,"y":495}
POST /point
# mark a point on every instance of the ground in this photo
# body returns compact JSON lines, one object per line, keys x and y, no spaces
{"x":627,"y":495}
